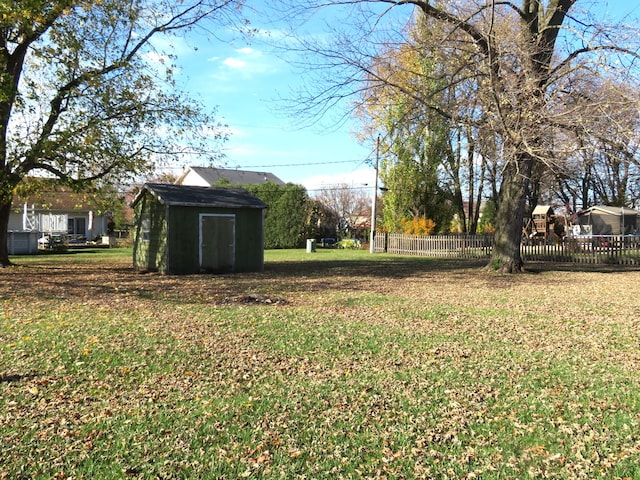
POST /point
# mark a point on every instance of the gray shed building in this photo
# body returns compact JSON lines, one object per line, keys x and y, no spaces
{"x":185,"y":229}
{"x":602,"y":220}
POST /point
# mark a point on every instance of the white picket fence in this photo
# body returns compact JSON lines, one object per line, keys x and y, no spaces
{"x":611,"y":249}
{"x":455,"y":246}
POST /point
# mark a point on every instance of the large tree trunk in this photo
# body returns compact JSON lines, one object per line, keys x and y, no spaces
{"x":5,"y":211}
{"x":506,"y":256}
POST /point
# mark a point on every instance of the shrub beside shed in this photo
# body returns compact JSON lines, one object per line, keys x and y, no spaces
{"x":182,"y":229}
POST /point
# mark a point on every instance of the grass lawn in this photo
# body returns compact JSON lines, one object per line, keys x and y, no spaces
{"x":333,"y":364}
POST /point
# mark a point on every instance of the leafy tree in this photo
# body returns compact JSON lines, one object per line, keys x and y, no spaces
{"x":523,"y":66}
{"x":414,"y":132}
{"x":488,"y":218}
{"x":80,"y":98}
{"x":287,"y":220}
{"x":324,"y":220}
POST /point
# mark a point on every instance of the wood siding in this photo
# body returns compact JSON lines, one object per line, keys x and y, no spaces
{"x":150,"y":235}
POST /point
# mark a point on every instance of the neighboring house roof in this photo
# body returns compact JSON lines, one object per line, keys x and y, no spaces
{"x":191,"y":196}
{"x":618,"y":211}
{"x":209,"y":176}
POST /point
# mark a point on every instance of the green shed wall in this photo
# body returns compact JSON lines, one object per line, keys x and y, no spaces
{"x":184,"y":235}
{"x":149,"y":236}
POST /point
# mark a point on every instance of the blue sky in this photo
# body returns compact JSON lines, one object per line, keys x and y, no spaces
{"x":245,"y":83}
{"x":245,"y":79}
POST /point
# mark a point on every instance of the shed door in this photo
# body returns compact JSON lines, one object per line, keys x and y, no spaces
{"x":217,"y":243}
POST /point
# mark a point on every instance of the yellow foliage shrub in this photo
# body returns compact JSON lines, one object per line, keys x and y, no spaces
{"x":418,"y":226}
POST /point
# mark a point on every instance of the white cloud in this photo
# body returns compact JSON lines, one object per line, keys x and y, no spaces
{"x":246,"y":61}
{"x":156,"y":58}
{"x":234,"y":63}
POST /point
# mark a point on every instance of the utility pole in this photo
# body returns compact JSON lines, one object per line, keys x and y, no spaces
{"x":372,"y":236}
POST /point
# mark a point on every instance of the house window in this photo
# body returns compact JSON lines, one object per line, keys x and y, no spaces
{"x":76,"y":226}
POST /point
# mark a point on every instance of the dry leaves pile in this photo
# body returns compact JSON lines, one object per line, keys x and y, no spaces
{"x":394,"y":368}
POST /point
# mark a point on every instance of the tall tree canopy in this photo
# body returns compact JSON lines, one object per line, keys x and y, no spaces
{"x":85,"y":95}
{"x":286,"y":223}
{"x":527,"y":69}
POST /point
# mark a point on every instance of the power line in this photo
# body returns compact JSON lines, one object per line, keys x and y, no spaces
{"x":301,"y":164}
{"x":333,"y":188}
{"x":238,"y":167}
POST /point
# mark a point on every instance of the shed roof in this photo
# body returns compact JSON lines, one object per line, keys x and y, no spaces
{"x":212,"y":175}
{"x":618,"y":211}
{"x":190,"y":196}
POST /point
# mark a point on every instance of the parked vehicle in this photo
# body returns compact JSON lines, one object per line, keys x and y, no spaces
{"x":327,"y":242}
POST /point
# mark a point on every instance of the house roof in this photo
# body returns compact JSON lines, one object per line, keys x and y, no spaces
{"x":190,"y":196}
{"x":50,"y":195}
{"x":618,"y":211}
{"x":213,"y":175}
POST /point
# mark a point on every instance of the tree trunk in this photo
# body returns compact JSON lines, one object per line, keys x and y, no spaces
{"x":506,"y":256}
{"x":5,"y":212}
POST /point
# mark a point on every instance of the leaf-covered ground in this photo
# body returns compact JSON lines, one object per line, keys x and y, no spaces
{"x":335,"y":365}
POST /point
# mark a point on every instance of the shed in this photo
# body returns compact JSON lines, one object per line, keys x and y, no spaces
{"x":181,"y":229}
{"x":603,"y":220}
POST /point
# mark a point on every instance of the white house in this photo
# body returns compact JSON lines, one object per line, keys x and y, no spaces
{"x":56,"y":210}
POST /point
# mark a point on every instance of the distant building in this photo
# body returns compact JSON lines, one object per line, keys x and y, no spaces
{"x":210,"y":176}
{"x":604,"y":220}
{"x":54,"y":208}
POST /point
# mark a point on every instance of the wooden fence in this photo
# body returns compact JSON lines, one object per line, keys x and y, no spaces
{"x":617,"y":249}
{"x":455,"y":246}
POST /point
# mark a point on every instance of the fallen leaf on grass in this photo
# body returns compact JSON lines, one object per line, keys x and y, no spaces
{"x":255,"y":298}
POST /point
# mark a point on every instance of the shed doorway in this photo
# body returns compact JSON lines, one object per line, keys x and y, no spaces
{"x":217,"y":243}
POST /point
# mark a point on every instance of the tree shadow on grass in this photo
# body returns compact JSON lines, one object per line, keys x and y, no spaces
{"x":15,"y":377}
{"x":540,"y":267}
{"x":107,"y":282}
{"x":396,"y":267}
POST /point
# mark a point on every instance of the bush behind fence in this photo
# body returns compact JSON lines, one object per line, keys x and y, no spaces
{"x":614,"y":249}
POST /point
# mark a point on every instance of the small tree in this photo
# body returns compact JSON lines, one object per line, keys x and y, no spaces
{"x":349,"y":203}
{"x":324,"y":221}
{"x":488,"y":218}
{"x":288,"y":214}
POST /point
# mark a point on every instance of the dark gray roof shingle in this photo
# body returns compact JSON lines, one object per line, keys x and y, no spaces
{"x":213,"y":175}
{"x":189,"y":196}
